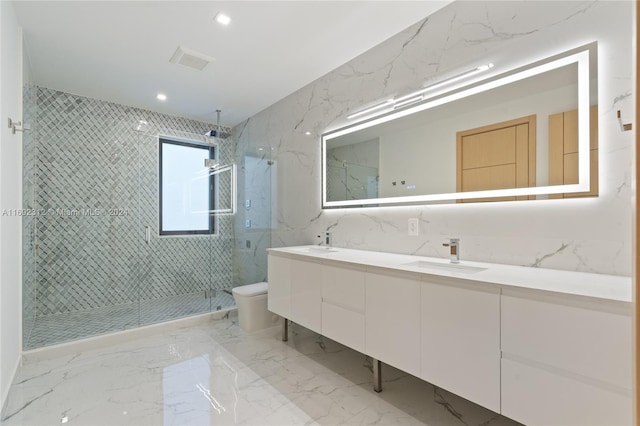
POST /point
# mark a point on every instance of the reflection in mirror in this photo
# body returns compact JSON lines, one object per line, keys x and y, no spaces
{"x":517,"y":132}
{"x":352,"y":170}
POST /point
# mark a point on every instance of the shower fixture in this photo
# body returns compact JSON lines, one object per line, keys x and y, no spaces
{"x":215,"y":133}
{"x":17,"y":126}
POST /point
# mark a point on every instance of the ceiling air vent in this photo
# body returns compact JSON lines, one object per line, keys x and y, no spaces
{"x":190,"y":58}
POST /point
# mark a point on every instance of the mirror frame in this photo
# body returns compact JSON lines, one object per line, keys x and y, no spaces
{"x":579,"y":56}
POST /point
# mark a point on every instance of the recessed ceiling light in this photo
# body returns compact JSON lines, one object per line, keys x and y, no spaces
{"x":307,"y":133}
{"x":161,"y":97}
{"x":222,"y":19}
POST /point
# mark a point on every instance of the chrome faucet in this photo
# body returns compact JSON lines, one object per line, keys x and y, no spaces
{"x":327,"y":238}
{"x":454,"y":249}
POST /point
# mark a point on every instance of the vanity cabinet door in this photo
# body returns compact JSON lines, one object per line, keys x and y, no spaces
{"x":461,"y":340}
{"x":392,"y":320}
{"x":279,"y":294}
{"x":343,"y":305}
{"x":306,"y":294}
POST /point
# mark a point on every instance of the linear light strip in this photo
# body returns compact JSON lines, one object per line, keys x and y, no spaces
{"x":407,"y":101}
{"x":584,"y":128}
{"x":371,"y":109}
{"x":415,"y":96}
{"x":513,"y":192}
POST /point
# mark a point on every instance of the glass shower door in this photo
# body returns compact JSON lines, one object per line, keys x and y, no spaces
{"x":85,"y":193}
{"x":174,"y":226}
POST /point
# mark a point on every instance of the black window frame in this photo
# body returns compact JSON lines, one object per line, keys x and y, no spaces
{"x":212,"y":187}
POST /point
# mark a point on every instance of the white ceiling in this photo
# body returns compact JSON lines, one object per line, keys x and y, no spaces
{"x":119,"y":51}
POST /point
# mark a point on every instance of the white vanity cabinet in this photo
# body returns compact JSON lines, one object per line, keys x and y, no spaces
{"x":392,"y":325}
{"x":542,"y":347}
{"x":565,"y":361}
{"x":295,"y":291}
{"x":343,"y":305}
{"x":460,"y":335}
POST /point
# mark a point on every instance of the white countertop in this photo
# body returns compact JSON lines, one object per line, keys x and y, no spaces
{"x":599,"y":286}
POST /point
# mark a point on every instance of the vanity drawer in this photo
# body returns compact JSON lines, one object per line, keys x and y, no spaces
{"x":535,"y":396}
{"x":343,"y":326}
{"x":591,"y":341}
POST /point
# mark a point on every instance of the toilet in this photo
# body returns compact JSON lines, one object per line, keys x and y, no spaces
{"x":253,"y":314}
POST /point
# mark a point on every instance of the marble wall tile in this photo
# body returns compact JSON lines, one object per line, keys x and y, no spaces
{"x":591,"y":235}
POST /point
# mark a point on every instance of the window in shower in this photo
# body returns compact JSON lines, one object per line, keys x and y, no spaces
{"x":187,"y":188}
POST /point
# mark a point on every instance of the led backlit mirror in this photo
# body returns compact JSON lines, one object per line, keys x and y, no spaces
{"x":523,"y":134}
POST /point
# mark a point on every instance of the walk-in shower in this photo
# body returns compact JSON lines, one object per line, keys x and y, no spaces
{"x":132,"y":227}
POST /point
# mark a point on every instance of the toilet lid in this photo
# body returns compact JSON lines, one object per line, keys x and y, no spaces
{"x":251,"y":289}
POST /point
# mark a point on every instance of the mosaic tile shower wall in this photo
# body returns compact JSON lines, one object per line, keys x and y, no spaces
{"x":90,"y":160}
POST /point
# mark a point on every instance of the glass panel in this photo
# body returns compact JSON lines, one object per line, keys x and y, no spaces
{"x":253,"y":219}
{"x":29,"y":203}
{"x":175,"y":269}
{"x":85,"y":190}
{"x":222,"y":242}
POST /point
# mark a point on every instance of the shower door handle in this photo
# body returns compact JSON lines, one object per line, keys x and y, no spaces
{"x":147,"y":234}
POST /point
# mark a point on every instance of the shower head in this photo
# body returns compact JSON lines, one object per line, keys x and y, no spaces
{"x":215,"y":133}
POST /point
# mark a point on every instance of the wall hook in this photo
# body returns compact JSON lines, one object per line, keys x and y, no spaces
{"x":623,"y":127}
{"x":16,"y":126}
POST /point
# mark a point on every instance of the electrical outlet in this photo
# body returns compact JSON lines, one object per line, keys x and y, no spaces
{"x":247,"y":223}
{"x":247,"y":204}
{"x":413,"y":227}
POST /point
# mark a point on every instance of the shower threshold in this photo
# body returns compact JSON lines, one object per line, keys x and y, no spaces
{"x":66,"y":327}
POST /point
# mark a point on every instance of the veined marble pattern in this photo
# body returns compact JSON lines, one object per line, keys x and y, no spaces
{"x":589,"y":235}
{"x":217,"y":374}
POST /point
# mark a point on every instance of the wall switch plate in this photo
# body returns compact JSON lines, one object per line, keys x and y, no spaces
{"x":247,"y":223}
{"x":413,"y":227}
{"x":247,"y":204}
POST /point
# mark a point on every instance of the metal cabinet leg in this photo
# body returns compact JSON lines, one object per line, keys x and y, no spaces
{"x":377,"y":375}
{"x":285,"y":329}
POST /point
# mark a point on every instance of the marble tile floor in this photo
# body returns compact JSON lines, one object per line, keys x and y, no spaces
{"x":65,"y":327}
{"x":216,"y":374}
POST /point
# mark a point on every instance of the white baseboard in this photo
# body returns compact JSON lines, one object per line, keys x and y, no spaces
{"x":5,"y":392}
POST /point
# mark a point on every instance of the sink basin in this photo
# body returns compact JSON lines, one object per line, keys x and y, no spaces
{"x":318,"y":249}
{"x":451,"y":267}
